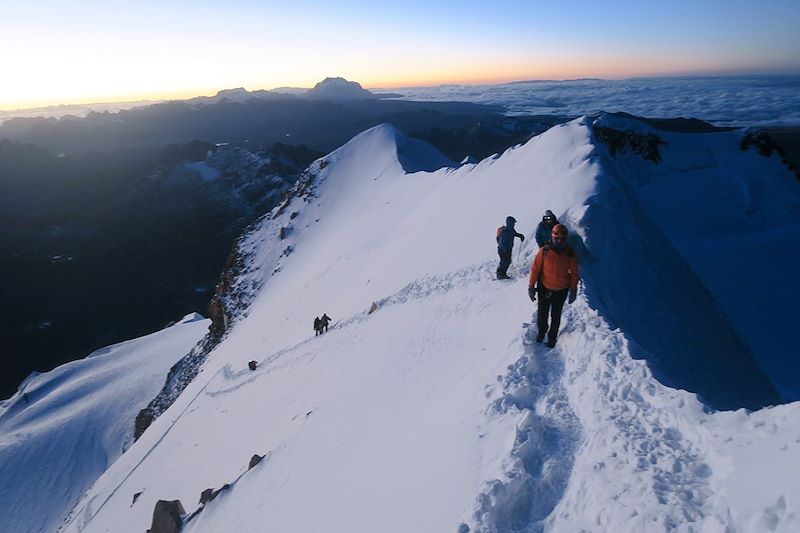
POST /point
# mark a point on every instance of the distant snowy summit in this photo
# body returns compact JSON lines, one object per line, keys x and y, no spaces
{"x":339,"y":89}
{"x":332,"y":89}
{"x":239,"y":94}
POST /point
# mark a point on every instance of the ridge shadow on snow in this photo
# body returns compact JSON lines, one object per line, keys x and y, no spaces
{"x":641,"y":284}
{"x":412,"y":154}
{"x":415,"y":155}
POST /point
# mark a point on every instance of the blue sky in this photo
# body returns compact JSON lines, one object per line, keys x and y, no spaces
{"x":53,"y":52}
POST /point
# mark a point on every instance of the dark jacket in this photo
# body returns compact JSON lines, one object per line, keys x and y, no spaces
{"x":505,"y":241}
{"x":543,"y":232}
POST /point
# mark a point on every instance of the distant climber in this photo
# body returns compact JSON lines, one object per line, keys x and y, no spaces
{"x":554,"y":275}
{"x":505,"y":245}
{"x":317,"y":326}
{"x":545,"y":227}
{"x":323,"y":322}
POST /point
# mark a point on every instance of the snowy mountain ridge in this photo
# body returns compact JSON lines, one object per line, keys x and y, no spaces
{"x":65,"y":427}
{"x":478,"y":394}
{"x":438,"y":412}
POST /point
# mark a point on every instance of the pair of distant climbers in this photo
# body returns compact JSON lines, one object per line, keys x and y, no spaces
{"x":321,"y":324}
{"x":554,"y":273}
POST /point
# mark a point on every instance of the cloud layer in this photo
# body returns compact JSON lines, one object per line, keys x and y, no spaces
{"x":724,"y":101}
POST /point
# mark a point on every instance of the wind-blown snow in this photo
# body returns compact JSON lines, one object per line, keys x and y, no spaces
{"x":65,"y":427}
{"x":438,"y":412}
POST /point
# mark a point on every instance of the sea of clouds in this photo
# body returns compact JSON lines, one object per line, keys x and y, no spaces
{"x":724,"y":101}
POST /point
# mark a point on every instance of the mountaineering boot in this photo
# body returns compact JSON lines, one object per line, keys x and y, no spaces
{"x":540,"y":338}
{"x":551,"y":343}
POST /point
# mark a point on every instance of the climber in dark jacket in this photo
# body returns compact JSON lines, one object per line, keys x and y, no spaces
{"x":323,"y":323}
{"x":505,"y":245}
{"x":545,"y":227}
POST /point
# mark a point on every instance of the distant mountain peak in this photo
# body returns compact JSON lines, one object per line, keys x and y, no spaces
{"x":238,"y":94}
{"x":238,"y":91}
{"x":339,"y":89}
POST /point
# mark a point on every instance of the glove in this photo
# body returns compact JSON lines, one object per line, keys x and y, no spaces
{"x":573,"y":293}
{"x":532,"y":293}
{"x":522,"y":237}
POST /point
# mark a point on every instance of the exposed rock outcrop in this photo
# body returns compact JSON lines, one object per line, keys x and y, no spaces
{"x":167,"y":517}
{"x":228,"y":301}
{"x":766,"y":146}
{"x":179,"y":376}
{"x":254,"y":461}
{"x":643,"y":144}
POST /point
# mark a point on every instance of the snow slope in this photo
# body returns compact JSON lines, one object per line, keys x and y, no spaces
{"x":65,"y":427}
{"x":438,"y":412}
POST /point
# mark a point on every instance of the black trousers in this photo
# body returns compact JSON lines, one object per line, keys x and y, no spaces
{"x":505,"y":262}
{"x":552,"y":303}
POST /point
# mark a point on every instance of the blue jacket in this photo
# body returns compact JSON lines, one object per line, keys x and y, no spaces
{"x":543,"y":232}
{"x":505,"y":241}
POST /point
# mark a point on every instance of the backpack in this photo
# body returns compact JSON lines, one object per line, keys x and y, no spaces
{"x":499,"y":231}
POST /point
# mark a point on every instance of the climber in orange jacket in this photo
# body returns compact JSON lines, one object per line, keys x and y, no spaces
{"x":554,"y":276}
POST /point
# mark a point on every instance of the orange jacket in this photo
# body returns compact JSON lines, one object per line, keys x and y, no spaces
{"x":560,"y":268}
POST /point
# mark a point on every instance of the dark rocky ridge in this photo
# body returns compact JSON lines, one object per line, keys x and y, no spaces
{"x":324,"y":125}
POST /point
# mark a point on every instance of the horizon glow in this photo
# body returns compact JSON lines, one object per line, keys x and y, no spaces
{"x":53,"y":53}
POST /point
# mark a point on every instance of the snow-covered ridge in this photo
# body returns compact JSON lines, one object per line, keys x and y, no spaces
{"x":261,"y":251}
{"x":437,"y":412}
{"x":65,"y":427}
